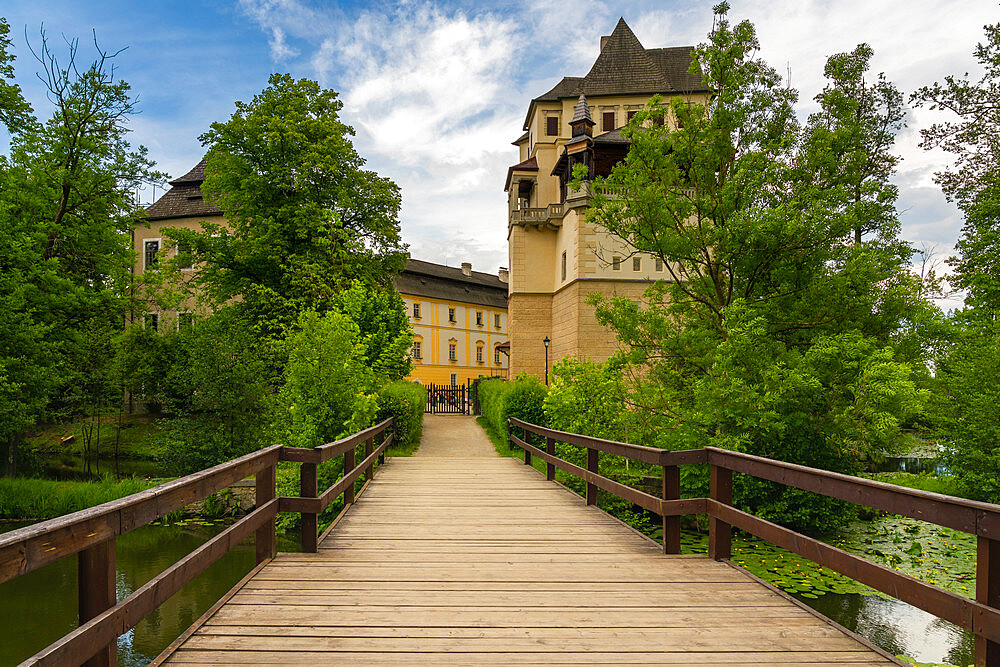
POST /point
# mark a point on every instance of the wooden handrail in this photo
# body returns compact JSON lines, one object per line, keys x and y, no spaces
{"x":981,"y":616}
{"x":91,"y":533}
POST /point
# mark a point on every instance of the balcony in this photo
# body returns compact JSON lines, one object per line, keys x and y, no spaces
{"x":551,"y":216}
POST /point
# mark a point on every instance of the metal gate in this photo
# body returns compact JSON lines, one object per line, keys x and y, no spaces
{"x":447,"y":399}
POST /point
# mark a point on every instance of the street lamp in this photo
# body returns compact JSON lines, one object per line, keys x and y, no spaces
{"x":546,"y":341}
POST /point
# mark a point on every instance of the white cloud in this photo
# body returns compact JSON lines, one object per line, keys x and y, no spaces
{"x":280,"y":50}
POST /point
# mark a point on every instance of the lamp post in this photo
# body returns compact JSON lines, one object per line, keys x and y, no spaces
{"x":546,"y":341}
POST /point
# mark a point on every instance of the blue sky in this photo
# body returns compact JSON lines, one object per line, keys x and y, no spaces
{"x":437,"y":90}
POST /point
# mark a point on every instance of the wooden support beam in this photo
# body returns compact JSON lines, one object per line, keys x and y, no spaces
{"x":265,"y":538}
{"x":308,"y":486}
{"x":671,"y":524}
{"x":97,"y":594}
{"x":550,"y":468}
{"x":987,"y":652}
{"x":349,"y":465}
{"x":720,"y":533}
{"x":592,"y":462}
{"x":369,"y":448}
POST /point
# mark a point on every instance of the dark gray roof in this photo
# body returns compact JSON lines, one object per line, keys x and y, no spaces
{"x":582,"y":110}
{"x":184,"y":199}
{"x":612,"y":137}
{"x":436,"y":281}
{"x":625,"y":67}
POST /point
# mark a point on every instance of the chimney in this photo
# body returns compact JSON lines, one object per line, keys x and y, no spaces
{"x":604,"y":40}
{"x":466,"y":268}
{"x":504,"y":275}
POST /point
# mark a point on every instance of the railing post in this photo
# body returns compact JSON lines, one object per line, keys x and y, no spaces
{"x":349,"y":465}
{"x":369,"y":448}
{"x":987,"y":653}
{"x":381,"y":457}
{"x":720,"y":534}
{"x":265,"y":539}
{"x":550,"y":468}
{"x":671,"y":524}
{"x":508,"y":433}
{"x":96,"y":584}
{"x":527,"y":452}
{"x":309,"y":521}
{"x":592,"y":467}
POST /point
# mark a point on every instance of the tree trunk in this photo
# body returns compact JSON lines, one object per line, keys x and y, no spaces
{"x":10,"y":459}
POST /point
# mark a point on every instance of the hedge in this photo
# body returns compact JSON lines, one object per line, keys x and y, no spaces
{"x":522,"y":398}
{"x":405,"y":402}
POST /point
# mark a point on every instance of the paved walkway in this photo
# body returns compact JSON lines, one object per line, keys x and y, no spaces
{"x":456,"y":556}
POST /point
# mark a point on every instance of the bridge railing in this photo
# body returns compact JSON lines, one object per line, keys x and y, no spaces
{"x":980,"y":616}
{"x":91,"y":534}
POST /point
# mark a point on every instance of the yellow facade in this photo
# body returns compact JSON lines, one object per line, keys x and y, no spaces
{"x":475,"y":345}
{"x":557,"y":258}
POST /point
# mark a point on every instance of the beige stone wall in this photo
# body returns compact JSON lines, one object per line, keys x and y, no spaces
{"x":530,"y":322}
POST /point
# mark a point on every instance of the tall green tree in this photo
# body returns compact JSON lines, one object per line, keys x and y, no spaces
{"x":776,"y":333}
{"x":65,"y":206}
{"x":966,"y":405}
{"x":304,"y":216}
{"x":973,"y":138}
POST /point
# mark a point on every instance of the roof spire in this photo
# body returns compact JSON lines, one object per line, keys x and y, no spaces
{"x":582,"y":110}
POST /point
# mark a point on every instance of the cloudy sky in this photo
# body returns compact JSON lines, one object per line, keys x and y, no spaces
{"x":437,"y":90}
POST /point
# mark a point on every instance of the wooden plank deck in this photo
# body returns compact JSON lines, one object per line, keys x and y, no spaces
{"x":480,"y":560}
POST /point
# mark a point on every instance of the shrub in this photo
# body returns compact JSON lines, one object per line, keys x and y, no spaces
{"x":405,"y":402}
{"x":521,"y":399}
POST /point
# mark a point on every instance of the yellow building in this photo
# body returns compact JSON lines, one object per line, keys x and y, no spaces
{"x":459,"y":319}
{"x":459,"y":316}
{"x":556,"y":257}
{"x":181,"y":206}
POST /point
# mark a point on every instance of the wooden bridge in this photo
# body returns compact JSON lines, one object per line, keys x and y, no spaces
{"x":458,"y":556}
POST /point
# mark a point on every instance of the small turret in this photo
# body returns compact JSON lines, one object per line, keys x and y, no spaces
{"x":582,"y":124}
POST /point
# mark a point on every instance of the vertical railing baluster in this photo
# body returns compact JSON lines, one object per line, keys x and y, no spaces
{"x":265,"y":539}
{"x":987,"y":652}
{"x":96,"y":585}
{"x":720,"y":533}
{"x":550,"y":468}
{"x":369,"y":448}
{"x":349,"y":465}
{"x":671,"y":524}
{"x":592,"y":463}
{"x":309,"y":521}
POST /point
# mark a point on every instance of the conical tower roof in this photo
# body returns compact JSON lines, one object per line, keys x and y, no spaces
{"x":582,"y":111}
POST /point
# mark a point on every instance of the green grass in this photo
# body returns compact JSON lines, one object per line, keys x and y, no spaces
{"x":138,"y":438}
{"x":24,"y":499}
{"x":923,"y":481}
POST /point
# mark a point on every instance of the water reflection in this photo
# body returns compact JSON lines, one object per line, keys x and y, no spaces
{"x":899,"y":628}
{"x":40,"y":607}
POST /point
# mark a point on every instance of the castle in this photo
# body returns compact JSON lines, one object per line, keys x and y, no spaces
{"x":556,"y":257}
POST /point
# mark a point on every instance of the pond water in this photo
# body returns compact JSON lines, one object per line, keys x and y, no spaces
{"x":74,"y":467}
{"x":898,"y":628}
{"x":911,"y":464}
{"x":40,"y":607}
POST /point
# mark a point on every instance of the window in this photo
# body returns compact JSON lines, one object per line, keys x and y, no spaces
{"x":552,"y":126}
{"x":631,"y":114}
{"x":416,"y":350}
{"x":659,"y":264}
{"x":496,"y":355}
{"x":416,"y":311}
{"x":479,"y":354}
{"x":184,"y":250}
{"x":637,"y":264}
{"x":454,"y":379}
{"x":185,"y":320}
{"x":496,"y":320}
{"x":152,"y":247}
{"x":658,"y":121}
{"x":152,"y":321}
{"x":479,"y":318}
{"x":564,"y":265}
{"x":452,"y":351}
{"x":451,"y":315}
{"x":608,"y":121}
{"x":616,"y":263}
